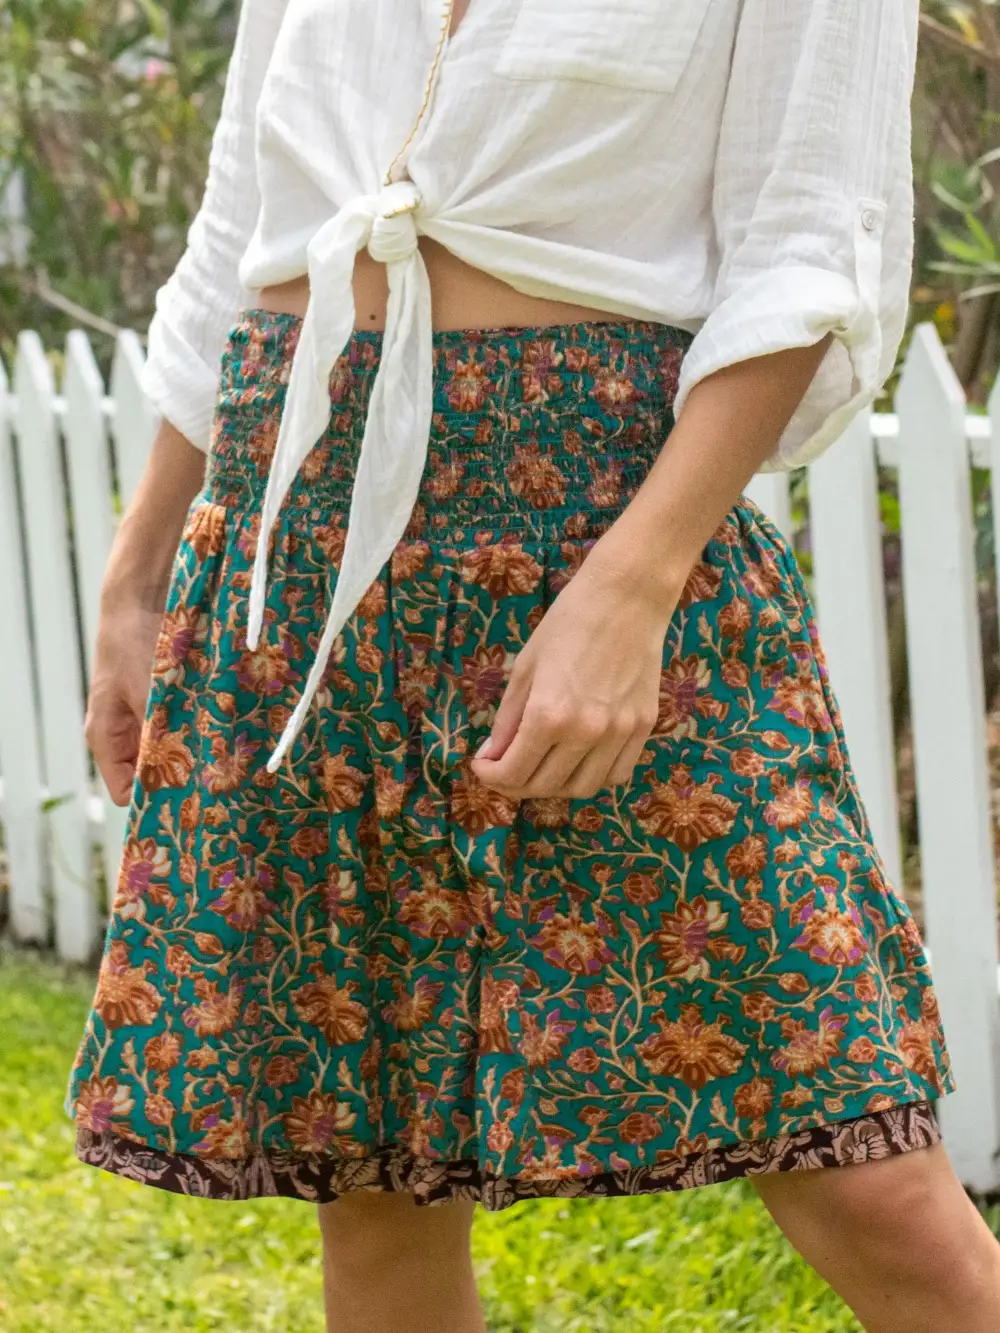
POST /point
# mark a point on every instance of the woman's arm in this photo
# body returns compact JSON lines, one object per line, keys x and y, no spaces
{"x":813,"y":221}
{"x":583,"y":695}
{"x":132,"y":599}
{"x":142,"y":557}
{"x":194,"y":311}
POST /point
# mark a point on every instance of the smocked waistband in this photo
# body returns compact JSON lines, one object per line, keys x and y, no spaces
{"x":529,"y":428}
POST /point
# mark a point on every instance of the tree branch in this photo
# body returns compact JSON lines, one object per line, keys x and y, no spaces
{"x":39,"y":287}
{"x":954,"y":41}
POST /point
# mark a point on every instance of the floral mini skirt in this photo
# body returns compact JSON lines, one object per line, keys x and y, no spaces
{"x":368,"y":970}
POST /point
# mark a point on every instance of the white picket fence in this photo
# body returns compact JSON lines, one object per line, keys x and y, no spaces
{"x":57,"y":518}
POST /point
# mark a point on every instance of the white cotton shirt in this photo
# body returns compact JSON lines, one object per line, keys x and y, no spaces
{"x":737,"y":168}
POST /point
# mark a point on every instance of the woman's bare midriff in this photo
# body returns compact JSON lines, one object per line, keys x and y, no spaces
{"x":462,"y":297}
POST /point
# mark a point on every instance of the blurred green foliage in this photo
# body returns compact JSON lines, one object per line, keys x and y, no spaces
{"x":106,"y":113}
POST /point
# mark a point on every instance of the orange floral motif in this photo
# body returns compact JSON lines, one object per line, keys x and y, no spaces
{"x":164,"y":758}
{"x":496,"y":1002}
{"x":747,"y":858}
{"x":916,"y":1045}
{"x":142,"y":877}
{"x":692,"y":1049}
{"x":605,"y":489}
{"x":409,"y":558}
{"x":862,"y":1051}
{"x":331,"y":537}
{"x":640,"y":1127}
{"x":416,"y":680}
{"x":547,"y":811}
{"x":680,"y":685}
{"x":162,"y":1052}
{"x":808,"y":1048}
{"x":445,"y":479}
{"x":468,"y":386}
{"x":100,"y":1102}
{"x":734,"y":618}
{"x":754,"y":1099}
{"x":261,"y":442}
{"x":614,"y":390}
{"x":684,"y":937}
{"x":414,"y":1006}
{"x":244,"y":900}
{"x":180,"y":629}
{"x":125,"y":996}
{"x":309,"y":842}
{"x":504,"y":570}
{"x":537,"y":478}
{"x":342,"y":784}
{"x":831,"y":936}
{"x":265,"y":671}
{"x":801,"y":700}
{"x":280,"y":1071}
{"x":702,"y":584}
{"x":541,"y":1043}
{"x":686,"y":812}
{"x":205,"y":532}
{"x":315,"y":1121}
{"x":791,"y":803}
{"x":434,"y":912}
{"x":476,"y":807}
{"x":229,"y":767}
{"x":332,"y":1008}
{"x":224,"y":1137}
{"x":484,"y":675}
{"x":216,"y":1011}
{"x":572,"y":944}
{"x":540,"y":378}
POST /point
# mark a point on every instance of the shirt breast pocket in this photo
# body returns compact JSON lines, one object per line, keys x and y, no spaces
{"x":644,"y":45}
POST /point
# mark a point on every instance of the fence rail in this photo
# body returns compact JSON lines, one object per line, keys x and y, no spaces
{"x":70,"y":460}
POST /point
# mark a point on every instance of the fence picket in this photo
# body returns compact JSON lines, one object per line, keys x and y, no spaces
{"x":846,"y":543}
{"x":89,"y":464}
{"x":20,"y":761}
{"x":133,"y":421}
{"x":948,"y":710}
{"x":58,"y":653}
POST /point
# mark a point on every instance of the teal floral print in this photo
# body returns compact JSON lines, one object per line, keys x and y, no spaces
{"x":368,"y":970}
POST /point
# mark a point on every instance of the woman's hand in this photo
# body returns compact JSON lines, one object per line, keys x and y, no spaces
{"x":119,"y":687}
{"x":133,"y":597}
{"x":583,"y":696}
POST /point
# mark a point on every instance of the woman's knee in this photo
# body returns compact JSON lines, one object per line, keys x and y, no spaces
{"x":379,"y":1233}
{"x":911,"y":1210}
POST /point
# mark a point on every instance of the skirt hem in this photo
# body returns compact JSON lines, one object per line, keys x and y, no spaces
{"x":319,"y":1178}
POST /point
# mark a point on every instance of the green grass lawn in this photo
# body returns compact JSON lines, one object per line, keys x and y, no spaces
{"x":83,"y":1252}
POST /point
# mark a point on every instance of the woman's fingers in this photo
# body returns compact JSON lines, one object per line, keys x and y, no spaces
{"x":113,"y":732}
{"x":593,"y":773}
{"x":509,"y":714}
{"x":550,"y":775}
{"x":624,"y":765}
{"x":513,"y":771}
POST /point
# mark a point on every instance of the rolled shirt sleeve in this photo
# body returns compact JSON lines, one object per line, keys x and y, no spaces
{"x":197,"y":306}
{"x":813,"y":204}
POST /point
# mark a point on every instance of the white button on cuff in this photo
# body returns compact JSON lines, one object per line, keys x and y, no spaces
{"x":869,"y":219}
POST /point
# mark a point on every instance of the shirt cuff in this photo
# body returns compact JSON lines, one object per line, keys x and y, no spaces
{"x":179,"y":384}
{"x":796,"y":307}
